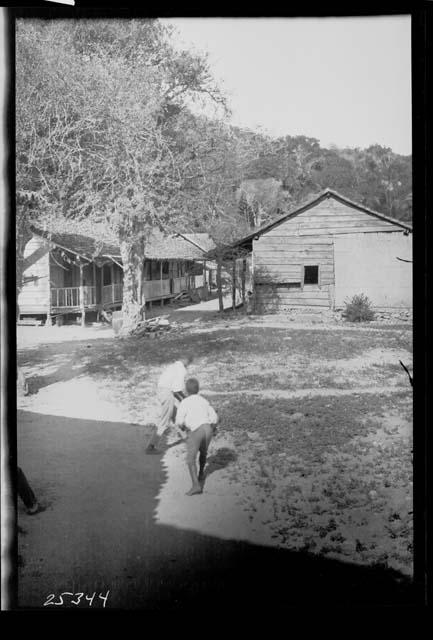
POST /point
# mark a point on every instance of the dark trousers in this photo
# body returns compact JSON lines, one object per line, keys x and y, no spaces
{"x":25,"y":491}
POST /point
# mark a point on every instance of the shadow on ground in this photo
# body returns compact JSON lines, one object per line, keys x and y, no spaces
{"x":99,"y":533}
{"x":131,"y":358}
{"x":220,"y":459}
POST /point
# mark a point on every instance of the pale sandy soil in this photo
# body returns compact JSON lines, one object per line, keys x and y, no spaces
{"x":252,"y":493}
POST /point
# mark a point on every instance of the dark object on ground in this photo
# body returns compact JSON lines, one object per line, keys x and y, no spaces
{"x":407,"y":371}
{"x":26,"y":494}
{"x":152,"y":326}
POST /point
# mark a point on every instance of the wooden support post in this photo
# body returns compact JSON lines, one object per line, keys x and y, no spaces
{"x":93,"y":290}
{"x":101,"y":286}
{"x":234,"y":284}
{"x":244,"y":271}
{"x":83,"y":313}
{"x":112,"y":281}
{"x":219,"y":282}
{"x":48,"y":322}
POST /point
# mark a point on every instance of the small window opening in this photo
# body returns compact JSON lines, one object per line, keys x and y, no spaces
{"x":311,"y":275}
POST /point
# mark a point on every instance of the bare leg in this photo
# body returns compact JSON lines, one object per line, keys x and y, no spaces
{"x":204,"y":446}
{"x":196,"y":486}
{"x":201,"y":464}
{"x":193,"y":444}
{"x":166,"y":400}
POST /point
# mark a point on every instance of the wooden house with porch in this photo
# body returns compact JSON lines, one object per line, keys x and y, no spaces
{"x":76,"y":273}
{"x":326,"y":251}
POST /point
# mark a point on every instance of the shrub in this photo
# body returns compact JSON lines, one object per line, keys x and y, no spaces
{"x":358,"y":309}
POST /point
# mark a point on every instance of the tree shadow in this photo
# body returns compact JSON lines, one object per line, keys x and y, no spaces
{"x":101,"y":532}
{"x":62,"y":374}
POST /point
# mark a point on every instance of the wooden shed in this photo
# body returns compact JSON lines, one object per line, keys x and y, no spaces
{"x":326,"y":251}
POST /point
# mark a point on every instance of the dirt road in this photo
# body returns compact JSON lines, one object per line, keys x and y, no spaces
{"x":99,"y":533}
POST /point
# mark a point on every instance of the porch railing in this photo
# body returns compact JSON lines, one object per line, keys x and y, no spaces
{"x":70,"y":296}
{"x":112,"y":293}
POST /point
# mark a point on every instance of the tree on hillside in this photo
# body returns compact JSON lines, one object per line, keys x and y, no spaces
{"x":99,"y":130}
{"x":331,"y":170}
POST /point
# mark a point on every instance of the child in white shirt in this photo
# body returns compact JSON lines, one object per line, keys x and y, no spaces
{"x":196,"y":416}
{"x":170,"y":388}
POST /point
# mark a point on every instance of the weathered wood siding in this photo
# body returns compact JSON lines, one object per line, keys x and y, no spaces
{"x":307,"y":239}
{"x":34,"y":296}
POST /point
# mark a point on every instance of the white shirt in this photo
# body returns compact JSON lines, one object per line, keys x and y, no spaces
{"x":173,"y":377}
{"x":194,"y":411}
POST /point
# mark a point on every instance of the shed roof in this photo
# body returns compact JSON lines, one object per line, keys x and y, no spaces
{"x":327,"y":193}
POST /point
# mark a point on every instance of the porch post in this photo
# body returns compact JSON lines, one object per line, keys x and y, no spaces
{"x":244,"y":270}
{"x":94,"y":285}
{"x":233,"y":283}
{"x":48,"y":322}
{"x":101,"y":286}
{"x":112,"y":281}
{"x":161,"y":284}
{"x":83,"y":313}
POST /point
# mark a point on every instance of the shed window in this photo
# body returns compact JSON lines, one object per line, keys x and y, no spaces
{"x":311,"y":274}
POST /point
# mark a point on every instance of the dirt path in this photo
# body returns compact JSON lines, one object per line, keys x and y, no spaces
{"x":106,"y":528}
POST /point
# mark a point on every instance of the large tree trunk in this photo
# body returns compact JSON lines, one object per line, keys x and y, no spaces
{"x":219,"y":283}
{"x":132,"y":259}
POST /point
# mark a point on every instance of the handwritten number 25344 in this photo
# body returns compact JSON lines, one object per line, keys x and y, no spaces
{"x":76,"y":598}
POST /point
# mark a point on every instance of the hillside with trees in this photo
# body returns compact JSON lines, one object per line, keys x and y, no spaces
{"x":288,"y":171}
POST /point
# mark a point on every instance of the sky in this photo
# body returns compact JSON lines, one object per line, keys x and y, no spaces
{"x":344,"y":81}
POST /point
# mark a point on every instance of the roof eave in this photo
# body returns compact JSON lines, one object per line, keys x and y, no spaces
{"x":328,"y":193}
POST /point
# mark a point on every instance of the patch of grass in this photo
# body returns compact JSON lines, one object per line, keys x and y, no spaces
{"x":326,"y":426}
